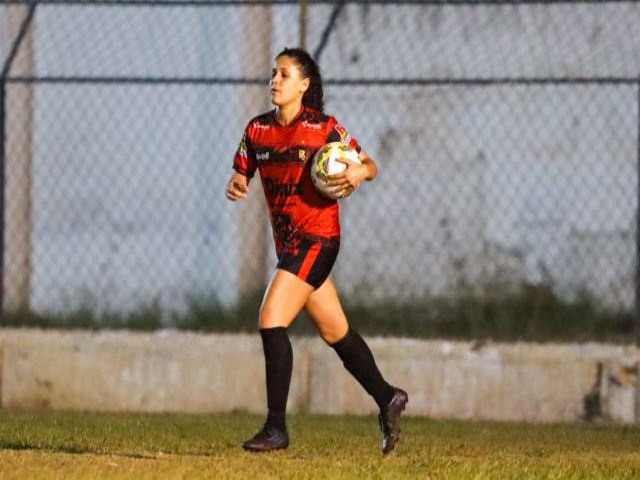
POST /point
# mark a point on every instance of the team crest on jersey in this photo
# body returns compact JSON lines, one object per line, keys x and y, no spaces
{"x":344,"y":135}
{"x":242,"y":148}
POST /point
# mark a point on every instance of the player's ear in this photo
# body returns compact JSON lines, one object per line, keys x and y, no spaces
{"x":304,"y":85}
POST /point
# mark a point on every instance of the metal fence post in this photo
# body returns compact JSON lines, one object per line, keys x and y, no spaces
{"x":636,"y":319}
{"x":253,"y":223}
{"x":15,"y":261}
{"x":3,"y":83}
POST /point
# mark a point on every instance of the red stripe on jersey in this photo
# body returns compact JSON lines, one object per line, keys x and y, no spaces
{"x":309,"y":260}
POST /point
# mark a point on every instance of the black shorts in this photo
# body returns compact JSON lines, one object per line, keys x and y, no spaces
{"x":311,"y":260}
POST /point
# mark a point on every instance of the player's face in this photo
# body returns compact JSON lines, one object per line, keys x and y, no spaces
{"x":287,"y":83}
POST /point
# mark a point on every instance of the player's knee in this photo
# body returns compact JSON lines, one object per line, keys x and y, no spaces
{"x":333,"y":335}
{"x":329,"y":337}
{"x":268,"y":317}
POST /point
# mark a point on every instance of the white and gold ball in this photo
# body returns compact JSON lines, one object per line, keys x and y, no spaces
{"x":325,"y":163}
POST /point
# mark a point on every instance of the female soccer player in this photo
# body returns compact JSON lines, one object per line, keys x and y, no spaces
{"x":280,"y":145}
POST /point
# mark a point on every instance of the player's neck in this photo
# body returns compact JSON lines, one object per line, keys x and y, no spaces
{"x":285,"y":114}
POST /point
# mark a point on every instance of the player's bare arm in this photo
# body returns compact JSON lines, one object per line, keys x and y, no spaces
{"x":237,"y":187}
{"x":370,"y":164}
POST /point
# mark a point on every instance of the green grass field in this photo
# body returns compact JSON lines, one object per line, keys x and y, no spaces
{"x":90,"y":445}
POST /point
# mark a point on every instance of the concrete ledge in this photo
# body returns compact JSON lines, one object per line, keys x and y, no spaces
{"x":188,"y":372}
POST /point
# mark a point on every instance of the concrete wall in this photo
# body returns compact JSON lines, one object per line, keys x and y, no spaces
{"x":187,"y":372}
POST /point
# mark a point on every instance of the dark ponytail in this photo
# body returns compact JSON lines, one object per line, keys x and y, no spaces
{"x":313,"y":97}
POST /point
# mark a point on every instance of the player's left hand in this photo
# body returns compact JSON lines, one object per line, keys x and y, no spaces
{"x":349,"y":179}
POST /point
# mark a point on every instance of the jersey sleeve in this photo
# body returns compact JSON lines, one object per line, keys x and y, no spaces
{"x":244,"y":161}
{"x":340,"y":134}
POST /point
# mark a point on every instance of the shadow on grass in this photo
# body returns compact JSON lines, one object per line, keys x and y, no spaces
{"x":76,"y":450}
{"x":32,"y":446}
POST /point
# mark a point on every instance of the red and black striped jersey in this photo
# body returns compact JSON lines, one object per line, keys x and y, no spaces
{"x":282,"y":155}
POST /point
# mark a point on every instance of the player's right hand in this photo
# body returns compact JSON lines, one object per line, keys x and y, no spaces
{"x":237,"y":188}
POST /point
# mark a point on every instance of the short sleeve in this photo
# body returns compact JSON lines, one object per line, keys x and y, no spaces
{"x":340,"y":134}
{"x":244,"y":161}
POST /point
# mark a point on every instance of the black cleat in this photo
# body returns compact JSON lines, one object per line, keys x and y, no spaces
{"x":390,"y":420}
{"x":267,"y":439}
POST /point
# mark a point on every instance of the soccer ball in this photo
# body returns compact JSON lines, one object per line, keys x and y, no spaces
{"x":324,"y":163}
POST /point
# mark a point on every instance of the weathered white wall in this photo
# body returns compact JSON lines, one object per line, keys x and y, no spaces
{"x":524,"y":182}
{"x":186,"y":372}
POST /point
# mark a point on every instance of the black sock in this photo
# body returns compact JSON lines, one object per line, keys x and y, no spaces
{"x":359,"y":361}
{"x":278,"y":357}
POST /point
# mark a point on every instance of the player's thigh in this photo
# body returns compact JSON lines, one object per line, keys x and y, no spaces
{"x":325,"y":310}
{"x":284,"y":298}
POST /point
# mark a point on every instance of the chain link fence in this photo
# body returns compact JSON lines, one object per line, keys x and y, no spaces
{"x":507,"y":135}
